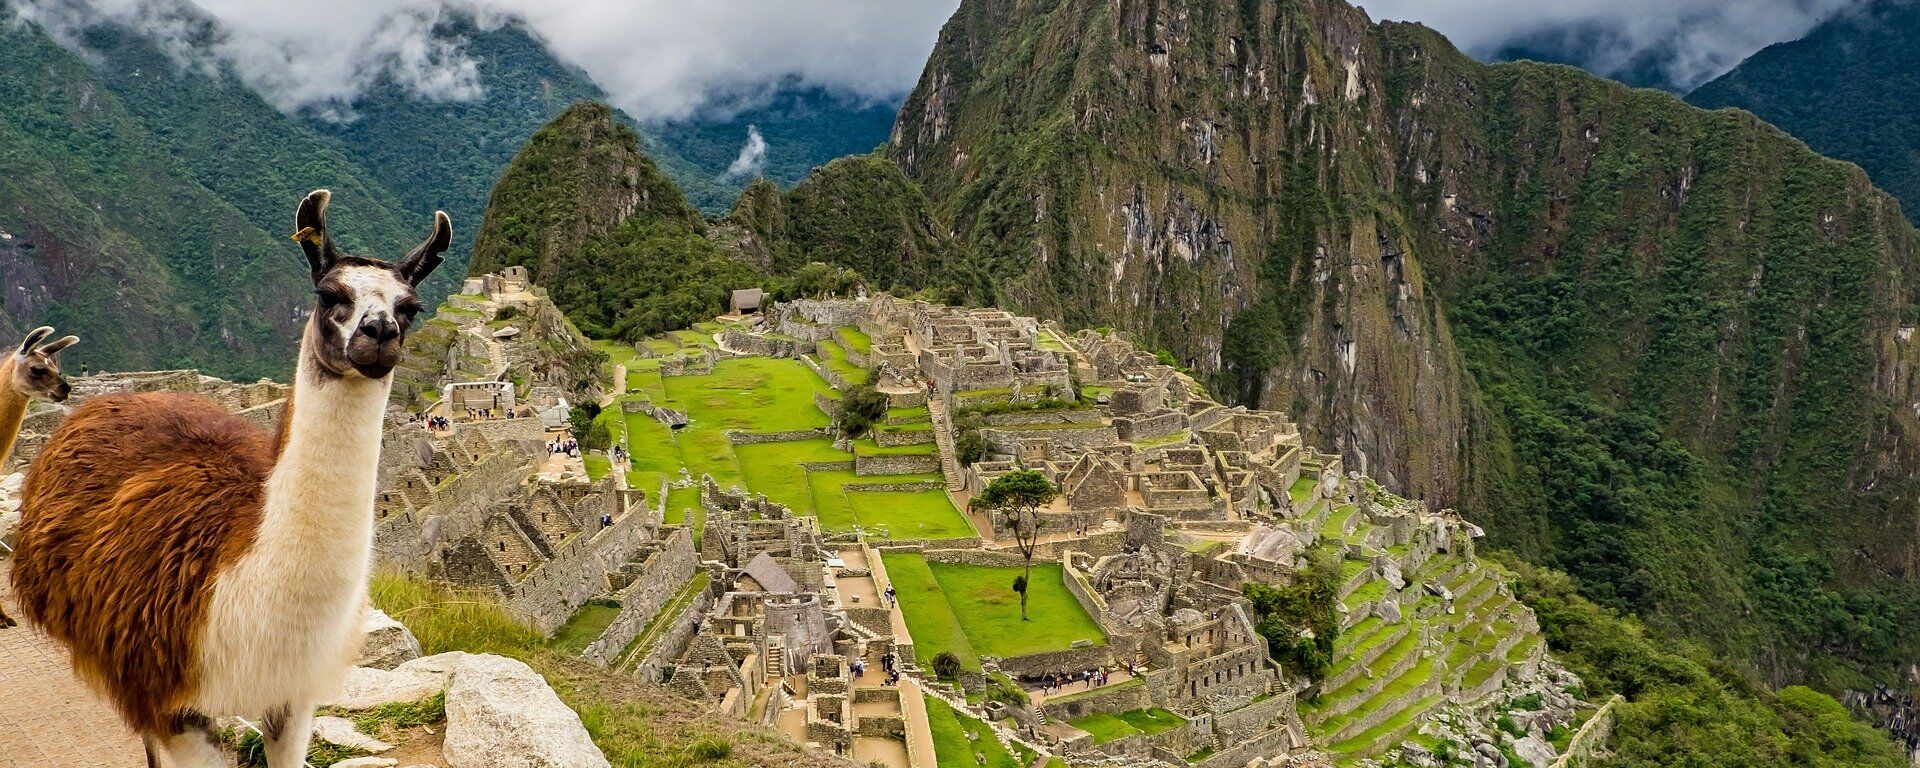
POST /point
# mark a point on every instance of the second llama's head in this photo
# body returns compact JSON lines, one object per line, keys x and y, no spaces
{"x":363,"y":306}
{"x":35,"y":367}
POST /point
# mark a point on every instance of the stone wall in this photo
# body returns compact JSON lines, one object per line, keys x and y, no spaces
{"x":654,"y":584}
{"x":1591,"y":740}
{"x":550,"y":593}
{"x":1008,"y":440}
{"x":1149,"y":427}
{"x":740,"y":340}
{"x":1124,"y":697}
{"x":989,"y":557}
{"x":673,"y":642}
{"x":738,"y":437}
{"x":905,"y":464}
{"x":1059,"y":416}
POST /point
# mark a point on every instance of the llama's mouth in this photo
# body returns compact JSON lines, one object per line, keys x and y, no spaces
{"x":373,"y":370}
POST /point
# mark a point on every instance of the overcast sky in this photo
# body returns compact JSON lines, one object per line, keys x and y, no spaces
{"x":674,"y":58}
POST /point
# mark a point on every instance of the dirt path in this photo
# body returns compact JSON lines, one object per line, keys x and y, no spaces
{"x":47,"y":718}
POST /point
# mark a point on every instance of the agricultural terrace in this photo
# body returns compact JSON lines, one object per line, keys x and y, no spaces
{"x":764,"y":395}
{"x":972,"y":610}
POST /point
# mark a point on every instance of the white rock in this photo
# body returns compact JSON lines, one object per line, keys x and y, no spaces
{"x":501,"y":714}
{"x":387,"y":643}
{"x":367,"y":762}
{"x":1534,"y":750}
{"x":341,"y":731}
{"x":366,"y":687}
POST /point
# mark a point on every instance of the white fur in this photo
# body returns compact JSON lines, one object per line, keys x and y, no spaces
{"x":375,"y":293}
{"x":283,"y":618}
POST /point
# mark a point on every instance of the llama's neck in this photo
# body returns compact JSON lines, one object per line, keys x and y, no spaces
{"x":13,"y":409}
{"x":319,"y":498}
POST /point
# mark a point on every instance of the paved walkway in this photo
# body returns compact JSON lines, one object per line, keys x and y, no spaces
{"x":47,"y":718}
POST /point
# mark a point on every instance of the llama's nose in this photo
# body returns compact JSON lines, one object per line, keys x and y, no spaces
{"x":379,"y":328}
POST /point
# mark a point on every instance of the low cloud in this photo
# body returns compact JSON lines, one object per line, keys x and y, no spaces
{"x":657,"y":59}
{"x":1687,"y":42}
{"x":752,"y":159}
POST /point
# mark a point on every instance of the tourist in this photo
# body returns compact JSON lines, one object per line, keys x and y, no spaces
{"x":606,"y":521}
{"x":890,"y":596}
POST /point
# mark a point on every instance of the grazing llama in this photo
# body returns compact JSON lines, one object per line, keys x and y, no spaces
{"x":27,"y":373}
{"x":197,"y":566}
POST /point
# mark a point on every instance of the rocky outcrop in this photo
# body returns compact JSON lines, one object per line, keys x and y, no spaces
{"x":385,"y":643}
{"x":501,"y":714}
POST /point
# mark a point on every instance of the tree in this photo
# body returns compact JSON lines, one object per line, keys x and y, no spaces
{"x":861,"y":407}
{"x":946,"y":666}
{"x":1013,"y":502}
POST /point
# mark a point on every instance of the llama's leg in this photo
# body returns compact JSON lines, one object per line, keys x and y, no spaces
{"x":287,"y":732}
{"x":194,"y":744}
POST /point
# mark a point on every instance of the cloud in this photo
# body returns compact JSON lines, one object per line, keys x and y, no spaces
{"x":658,"y":59}
{"x":296,"y":55}
{"x":752,"y":159}
{"x":1686,"y":42}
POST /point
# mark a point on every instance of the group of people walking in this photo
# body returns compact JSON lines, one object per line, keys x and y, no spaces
{"x":1056,"y":681}
{"x":564,"y":447}
{"x":433,"y":423}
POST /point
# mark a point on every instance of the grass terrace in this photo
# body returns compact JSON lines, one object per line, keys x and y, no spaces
{"x":834,"y":357}
{"x":972,"y":610}
{"x":1104,"y":727}
{"x":854,"y":339}
{"x":957,"y":736}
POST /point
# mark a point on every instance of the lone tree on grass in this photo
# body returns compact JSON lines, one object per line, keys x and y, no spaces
{"x":1013,"y":502}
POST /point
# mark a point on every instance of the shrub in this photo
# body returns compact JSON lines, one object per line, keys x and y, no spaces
{"x":946,"y":666}
{"x":860,"y":408}
{"x":971,"y":446}
{"x":598,"y":438}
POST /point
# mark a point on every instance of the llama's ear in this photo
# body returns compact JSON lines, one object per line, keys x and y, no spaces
{"x":310,"y":230}
{"x":420,"y":261}
{"x":53,"y":348}
{"x":33,"y":338}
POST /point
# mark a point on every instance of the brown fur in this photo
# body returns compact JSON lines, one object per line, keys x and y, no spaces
{"x":131,"y":509}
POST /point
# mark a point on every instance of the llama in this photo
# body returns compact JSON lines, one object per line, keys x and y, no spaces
{"x":197,"y":566}
{"x":30,"y":371}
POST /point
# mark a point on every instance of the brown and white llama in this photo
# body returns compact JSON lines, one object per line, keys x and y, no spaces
{"x":32,"y":370}
{"x":197,"y":566}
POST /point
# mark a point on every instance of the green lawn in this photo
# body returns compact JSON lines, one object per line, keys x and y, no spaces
{"x":584,"y":626}
{"x":972,"y":610}
{"x":1107,"y":727}
{"x":836,"y":358}
{"x":956,"y":736}
{"x":774,"y":469}
{"x":855,"y":339}
{"x":905,"y":514}
{"x":867,"y":447}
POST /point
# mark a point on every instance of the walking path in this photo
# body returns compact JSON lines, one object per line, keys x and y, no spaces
{"x":48,"y":719}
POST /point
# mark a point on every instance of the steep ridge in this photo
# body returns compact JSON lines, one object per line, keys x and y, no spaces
{"x":108,"y":233}
{"x":1846,"y":89}
{"x":1665,"y":349}
{"x":592,"y":218}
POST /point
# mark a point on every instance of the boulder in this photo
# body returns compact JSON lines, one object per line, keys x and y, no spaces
{"x":501,"y":714}
{"x":385,"y":643}
{"x":367,"y":762}
{"x":340,"y":731}
{"x":367,"y":687}
{"x":1535,"y":750}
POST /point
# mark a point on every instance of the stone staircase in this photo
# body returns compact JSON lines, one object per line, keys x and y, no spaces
{"x":943,"y":437}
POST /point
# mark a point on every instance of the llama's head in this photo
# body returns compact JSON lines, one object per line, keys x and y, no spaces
{"x":364,"y":306}
{"x":36,"y":367}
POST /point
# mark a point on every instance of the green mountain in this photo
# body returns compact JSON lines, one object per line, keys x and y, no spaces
{"x":146,"y":209}
{"x":1847,"y":89}
{"x":1665,"y":349}
{"x":613,"y":239}
{"x":803,"y":126}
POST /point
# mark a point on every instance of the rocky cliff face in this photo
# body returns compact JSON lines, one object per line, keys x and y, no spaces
{"x":1667,"y":349}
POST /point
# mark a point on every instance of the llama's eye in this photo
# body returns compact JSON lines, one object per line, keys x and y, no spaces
{"x":38,"y":370}
{"x":330,"y":296}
